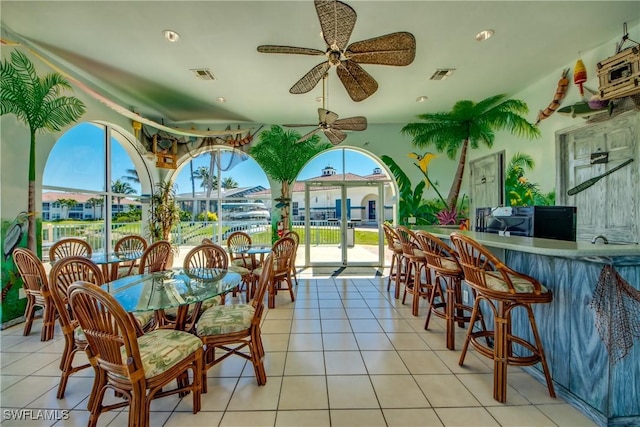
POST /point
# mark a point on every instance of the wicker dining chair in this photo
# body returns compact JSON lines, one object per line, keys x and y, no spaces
{"x":36,"y":287}
{"x":139,"y":368}
{"x":132,"y":246}
{"x":232,"y":328}
{"x":415,"y":264}
{"x":68,"y":247}
{"x":240,"y":262}
{"x":155,"y":257}
{"x":63,"y":274}
{"x":296,"y":238}
{"x":396,"y":271}
{"x":281,"y":255}
{"x":206,"y":255}
{"x":503,"y":290}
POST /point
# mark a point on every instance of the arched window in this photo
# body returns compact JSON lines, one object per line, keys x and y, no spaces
{"x":90,"y":187}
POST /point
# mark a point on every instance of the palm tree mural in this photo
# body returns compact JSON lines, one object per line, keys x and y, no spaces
{"x":36,"y":102}
{"x":228,"y":183}
{"x":469,"y":124}
{"x":282,"y":157}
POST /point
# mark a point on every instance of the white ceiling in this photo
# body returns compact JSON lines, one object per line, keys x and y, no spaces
{"x":118,"y":47}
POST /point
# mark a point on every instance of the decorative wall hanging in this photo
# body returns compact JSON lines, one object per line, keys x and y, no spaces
{"x":588,"y":183}
{"x":561,"y":91}
{"x":580,"y":75}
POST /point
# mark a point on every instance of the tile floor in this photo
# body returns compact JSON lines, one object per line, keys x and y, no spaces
{"x":346,"y":353}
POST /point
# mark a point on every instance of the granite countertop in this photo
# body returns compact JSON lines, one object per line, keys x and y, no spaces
{"x":539,"y":246}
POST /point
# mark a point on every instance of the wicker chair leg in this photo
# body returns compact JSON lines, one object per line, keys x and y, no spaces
{"x":29,"y":313}
{"x":472,"y":321}
{"x":543,"y":359}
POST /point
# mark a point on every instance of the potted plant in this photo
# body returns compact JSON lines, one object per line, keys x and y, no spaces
{"x":36,"y":102}
{"x":282,"y":157}
{"x":164,"y":212}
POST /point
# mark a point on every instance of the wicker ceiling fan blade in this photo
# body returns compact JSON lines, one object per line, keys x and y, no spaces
{"x":337,"y":21}
{"x":358,"y":83}
{"x":309,"y":135}
{"x":300,"y":125}
{"x":397,"y":49}
{"x":336,"y":136}
{"x":351,"y":123}
{"x":326,"y":116}
{"x":269,"y":48}
{"x":311,"y":79}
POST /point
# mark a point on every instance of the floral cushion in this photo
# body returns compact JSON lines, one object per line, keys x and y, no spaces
{"x":495,"y":282}
{"x":241,"y":262}
{"x":78,"y":334}
{"x":162,"y":349}
{"x":143,"y":318}
{"x":418,"y":253}
{"x":397,"y":247}
{"x":240,"y":270}
{"x":225,"y":319}
{"x":449,"y":264}
{"x":208,"y":303}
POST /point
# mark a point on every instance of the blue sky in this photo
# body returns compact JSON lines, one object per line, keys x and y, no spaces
{"x":76,"y":161}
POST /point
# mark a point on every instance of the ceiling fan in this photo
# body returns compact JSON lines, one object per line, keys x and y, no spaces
{"x":337,"y":21}
{"x":330,"y":124}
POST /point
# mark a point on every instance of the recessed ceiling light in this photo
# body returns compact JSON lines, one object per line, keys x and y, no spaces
{"x":422,"y":98}
{"x":221,"y":99}
{"x":319,"y":99}
{"x":171,"y":35}
{"x":484,"y":35}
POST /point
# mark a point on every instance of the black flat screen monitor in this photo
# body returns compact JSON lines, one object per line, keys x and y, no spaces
{"x":555,"y":222}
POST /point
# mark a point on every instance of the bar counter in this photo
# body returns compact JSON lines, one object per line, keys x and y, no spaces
{"x":584,"y":373}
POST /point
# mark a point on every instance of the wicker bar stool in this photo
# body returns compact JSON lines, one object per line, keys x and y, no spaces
{"x":442,"y":260}
{"x":503,"y":289}
{"x":396,"y":272}
{"x":415,"y":263}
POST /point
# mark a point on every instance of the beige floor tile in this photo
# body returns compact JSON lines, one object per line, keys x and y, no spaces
{"x":481,"y":386}
{"x":8,"y":357}
{"x":155,"y":418}
{"x":248,"y":396}
{"x":423,"y":362}
{"x":230,"y":367}
{"x":76,"y":391}
{"x":219,"y":391}
{"x":344,"y":363}
{"x":373,"y":341}
{"x":395,"y":325}
{"x":565,"y":415}
{"x":275,"y":342}
{"x":407,"y":341}
{"x":398,"y":391}
{"x":201,"y":419}
{"x":445,"y":391}
{"x":276,"y":326}
{"x":304,"y":363}
{"x":521,"y":416}
{"x":386,"y":312}
{"x":466,"y":417}
{"x":26,"y":391}
{"x":304,"y":392}
{"x":411,"y":417}
{"x":335,"y":325}
{"x":351,"y":392}
{"x":273,"y":365}
{"x":248,"y":418}
{"x":305,"y":304}
{"x":317,"y":418}
{"x":305,"y":342}
{"x":306,"y":326}
{"x":80,"y":418}
{"x":384,"y":362}
{"x":472,"y":362}
{"x":333,"y":313}
{"x":357,"y":418}
{"x":279,"y":314}
{"x":354,"y":303}
{"x":9,"y":380}
{"x":332,"y":342}
{"x":36,"y":360}
{"x":359,"y":313}
{"x":534,"y":391}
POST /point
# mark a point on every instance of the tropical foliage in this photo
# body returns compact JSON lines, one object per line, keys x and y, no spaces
{"x":164,"y":211}
{"x":469,"y":124}
{"x":36,"y":102}
{"x":282,"y":157}
{"x":519,"y":191}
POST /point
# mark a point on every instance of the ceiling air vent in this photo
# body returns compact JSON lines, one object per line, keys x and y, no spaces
{"x":203,"y":73}
{"x":442,"y":73}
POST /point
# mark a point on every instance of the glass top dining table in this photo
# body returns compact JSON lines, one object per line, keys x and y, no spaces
{"x":177,"y":288}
